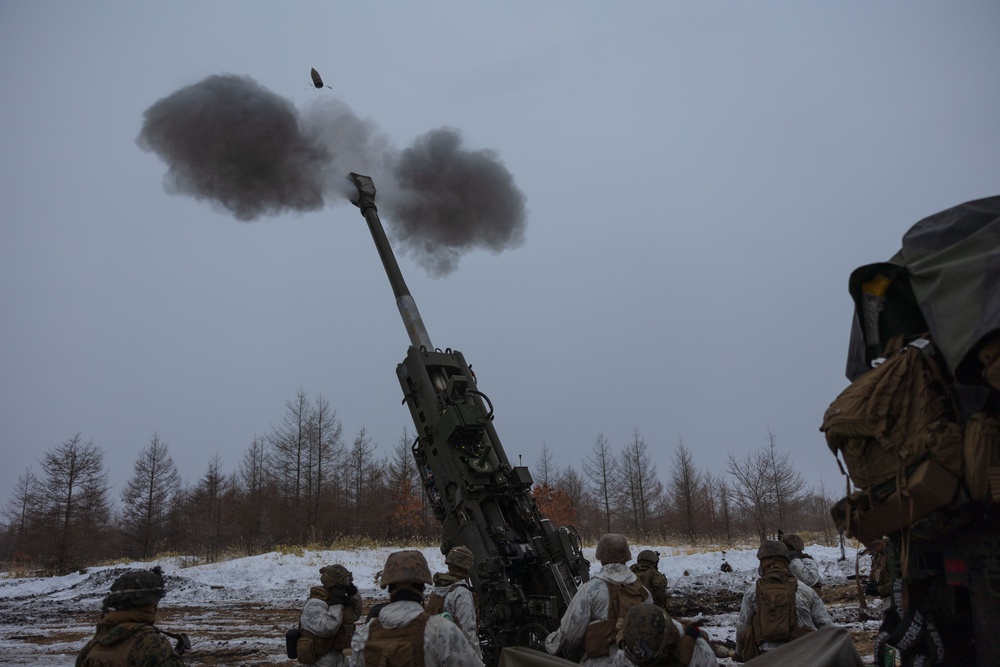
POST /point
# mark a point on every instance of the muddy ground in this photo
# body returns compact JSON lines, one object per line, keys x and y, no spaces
{"x":252,"y":635}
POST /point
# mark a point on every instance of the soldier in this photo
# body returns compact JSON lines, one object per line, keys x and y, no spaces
{"x":126,"y":636}
{"x":801,"y":564}
{"x":453,"y":594}
{"x":404,"y":632}
{"x":792,"y":609}
{"x":651,"y":637}
{"x":646,"y":569}
{"x":593,"y":613}
{"x":328,"y":616}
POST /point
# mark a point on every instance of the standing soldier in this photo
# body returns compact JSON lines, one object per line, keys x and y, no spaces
{"x":328,"y":616}
{"x":650,"y":637}
{"x":777,"y":608}
{"x":404,"y":632}
{"x":593,"y":614}
{"x":801,"y":564}
{"x":646,"y":569}
{"x":126,"y":636}
{"x":453,"y":594}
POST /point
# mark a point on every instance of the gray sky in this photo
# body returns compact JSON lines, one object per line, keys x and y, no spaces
{"x":700,"y":180}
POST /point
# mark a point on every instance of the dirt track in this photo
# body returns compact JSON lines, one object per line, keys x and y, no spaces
{"x":245,"y":635}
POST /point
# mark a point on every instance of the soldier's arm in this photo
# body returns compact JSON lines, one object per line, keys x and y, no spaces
{"x":155,"y":650}
{"x":320,"y":619}
{"x":463,"y":609}
{"x":574,"y":622}
{"x":445,"y":645}
{"x":357,"y":657}
{"x":746,"y":615}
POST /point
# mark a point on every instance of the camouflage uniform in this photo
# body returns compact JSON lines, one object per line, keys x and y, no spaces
{"x":591,"y":604}
{"x":323,"y":619}
{"x":443,"y":641}
{"x":648,"y":573}
{"x":456,"y":596}
{"x":126,"y":636}
{"x":809,"y":608}
{"x":801,"y":564}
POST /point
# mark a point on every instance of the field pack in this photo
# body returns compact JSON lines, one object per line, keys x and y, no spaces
{"x":897,"y":432}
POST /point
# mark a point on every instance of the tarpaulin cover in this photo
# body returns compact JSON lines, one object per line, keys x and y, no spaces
{"x":952,"y":262}
{"x":518,"y":656}
{"x":831,"y":646}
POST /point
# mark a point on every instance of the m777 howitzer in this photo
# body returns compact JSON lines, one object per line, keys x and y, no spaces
{"x":526,"y":570}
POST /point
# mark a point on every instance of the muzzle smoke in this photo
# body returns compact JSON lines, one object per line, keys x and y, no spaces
{"x":250,"y":152}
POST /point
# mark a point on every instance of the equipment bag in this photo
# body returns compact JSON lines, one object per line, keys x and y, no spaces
{"x":396,"y":647}
{"x":896,"y":429}
{"x":776,"y":615}
{"x":291,"y":639}
{"x":600,"y":635}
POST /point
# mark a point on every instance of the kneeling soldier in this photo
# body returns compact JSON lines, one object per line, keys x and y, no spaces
{"x":651,"y":637}
{"x":328,"y":617}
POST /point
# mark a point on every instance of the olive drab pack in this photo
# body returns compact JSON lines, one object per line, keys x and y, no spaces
{"x":309,"y":648}
{"x":396,"y":647}
{"x":776,"y":615}
{"x":600,"y":635}
{"x":896,"y":429}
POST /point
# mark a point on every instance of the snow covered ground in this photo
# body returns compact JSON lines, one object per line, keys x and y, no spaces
{"x":45,"y":621}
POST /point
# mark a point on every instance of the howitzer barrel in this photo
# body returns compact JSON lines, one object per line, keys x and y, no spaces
{"x":404,"y":301}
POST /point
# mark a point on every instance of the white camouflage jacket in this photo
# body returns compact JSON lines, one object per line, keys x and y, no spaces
{"x":703,"y":655}
{"x":809,"y":609}
{"x":805,"y":570}
{"x":323,"y":620}
{"x":444,"y":643}
{"x":458,"y":602}
{"x":588,"y":605}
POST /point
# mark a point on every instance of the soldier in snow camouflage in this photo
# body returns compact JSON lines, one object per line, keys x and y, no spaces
{"x":592,"y":615}
{"x":328,"y":616}
{"x":404,"y":632}
{"x":452,"y":594}
{"x":126,"y":636}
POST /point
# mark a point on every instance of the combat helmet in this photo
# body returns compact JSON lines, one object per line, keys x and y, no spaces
{"x":136,"y":588}
{"x":613,"y":548}
{"x":460,"y":558}
{"x":648,"y":556}
{"x":405,"y":567}
{"x":648,"y":634}
{"x":335,"y":576}
{"x":793,"y":542}
{"x":772,"y":549}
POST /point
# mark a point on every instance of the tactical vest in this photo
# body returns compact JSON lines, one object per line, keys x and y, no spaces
{"x":311,"y":647}
{"x":396,"y":647}
{"x":115,"y":655}
{"x":600,"y":635}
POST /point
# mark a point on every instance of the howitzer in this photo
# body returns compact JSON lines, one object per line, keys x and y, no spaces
{"x":526,"y":570}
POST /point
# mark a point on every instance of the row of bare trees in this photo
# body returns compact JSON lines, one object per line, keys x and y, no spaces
{"x":304,"y":483}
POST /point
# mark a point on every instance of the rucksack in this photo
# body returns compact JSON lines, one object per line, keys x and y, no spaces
{"x":600,"y":635}
{"x":396,"y":647}
{"x":897,"y":431}
{"x":115,"y":655}
{"x":776,"y":615}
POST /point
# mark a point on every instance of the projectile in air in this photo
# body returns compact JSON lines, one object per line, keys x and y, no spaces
{"x":318,"y":80}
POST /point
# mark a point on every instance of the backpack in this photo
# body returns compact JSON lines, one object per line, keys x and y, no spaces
{"x":600,"y":635}
{"x":897,"y":431}
{"x":655,"y":582}
{"x":776,"y":615}
{"x":396,"y":647}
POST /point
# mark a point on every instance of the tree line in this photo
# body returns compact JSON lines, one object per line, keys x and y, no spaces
{"x":305,"y":482}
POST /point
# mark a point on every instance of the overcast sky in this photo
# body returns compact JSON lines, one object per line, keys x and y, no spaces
{"x":699,"y":179}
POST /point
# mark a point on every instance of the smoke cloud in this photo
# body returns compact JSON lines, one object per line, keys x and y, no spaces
{"x":251,"y":153}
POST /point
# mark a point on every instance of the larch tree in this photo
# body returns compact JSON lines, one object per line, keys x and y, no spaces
{"x":601,"y":470}
{"x":74,"y":500}
{"x":686,"y":490}
{"x":147,"y":496}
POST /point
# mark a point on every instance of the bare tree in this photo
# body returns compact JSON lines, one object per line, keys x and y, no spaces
{"x":787,"y":484}
{"x":291,"y":455}
{"x":686,"y":493}
{"x":255,"y":485}
{"x":600,"y":468}
{"x":205,"y":510}
{"x":753,"y":488}
{"x":409,"y":509}
{"x":544,"y":467}
{"x":362,"y":478}
{"x":639,"y":488}
{"x":723,"y":503}
{"x":74,"y":495}
{"x":327,"y":448}
{"x":22,"y":511}
{"x":147,"y":495}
